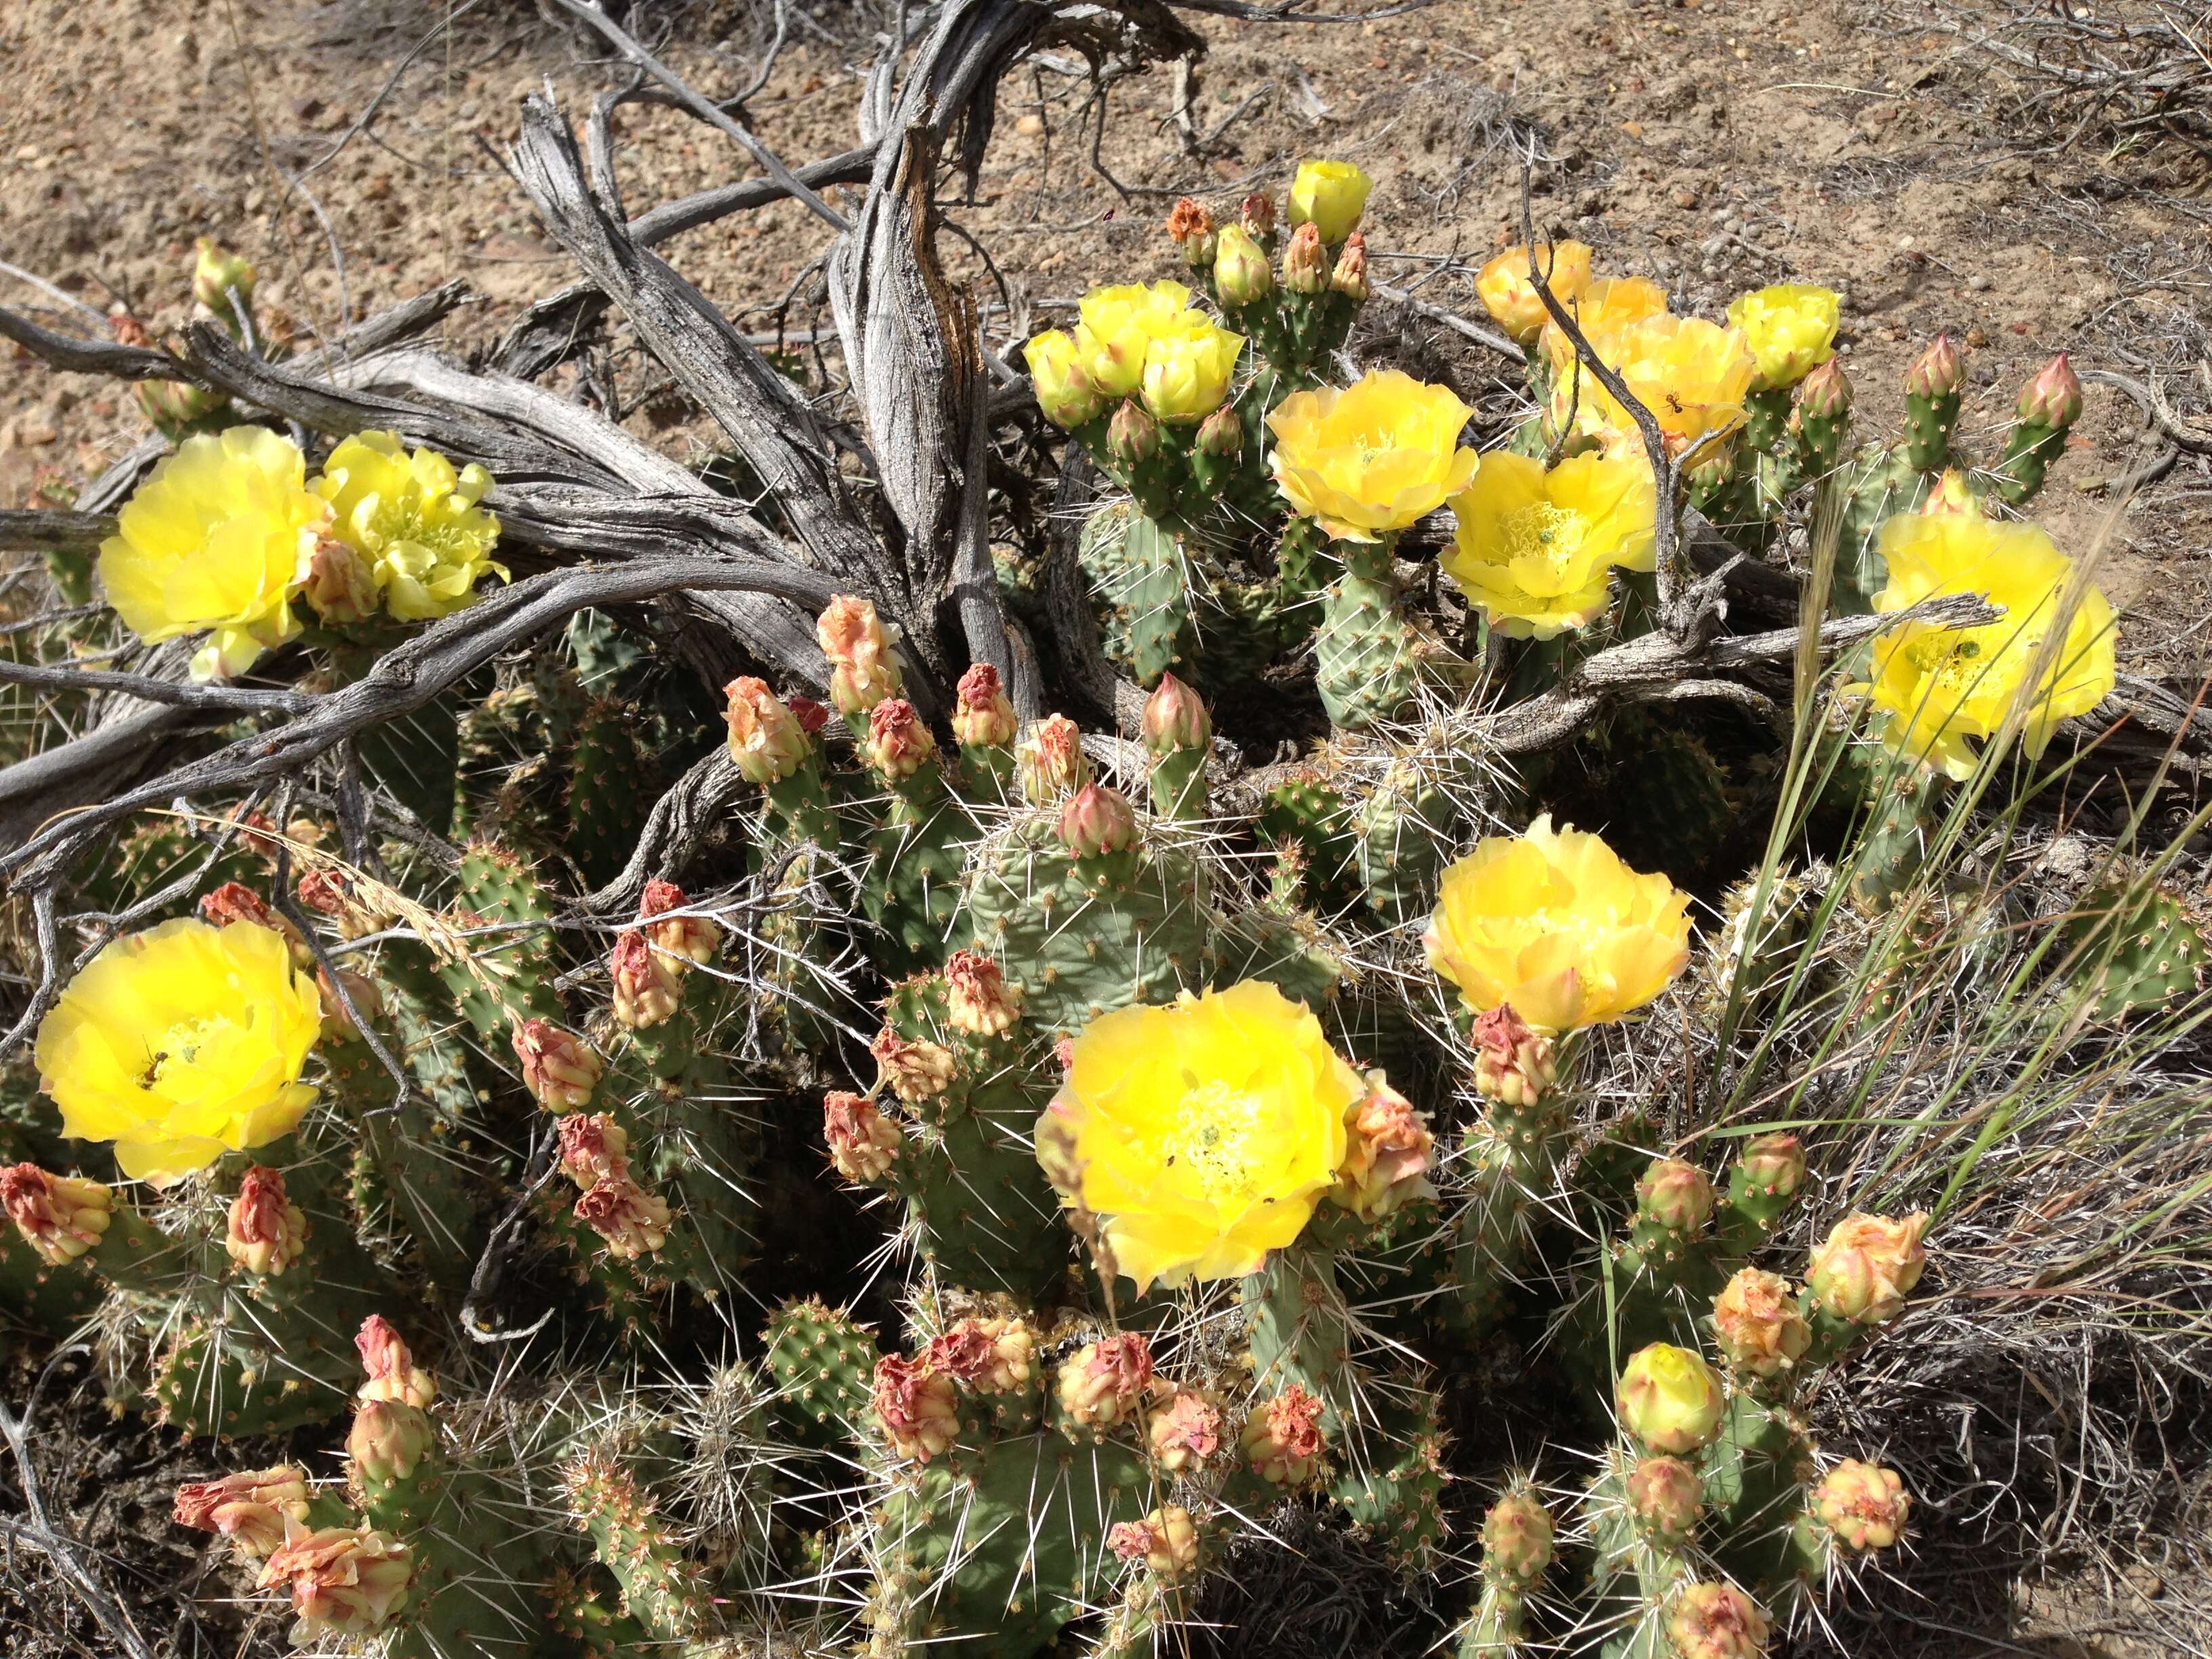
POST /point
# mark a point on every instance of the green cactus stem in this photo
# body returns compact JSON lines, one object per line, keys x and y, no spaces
{"x":1366,"y":666}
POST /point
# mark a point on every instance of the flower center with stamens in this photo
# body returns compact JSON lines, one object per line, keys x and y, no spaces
{"x":1217,"y":1136}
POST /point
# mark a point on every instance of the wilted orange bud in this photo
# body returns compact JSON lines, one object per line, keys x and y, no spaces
{"x":1306,"y":261}
{"x":1350,"y":276}
{"x":1717,"y":1621}
{"x":978,"y":999}
{"x":340,"y":586}
{"x":917,"y":1407}
{"x":1190,"y":228}
{"x":1258,"y":214}
{"x":235,"y":902}
{"x":1165,"y":1540}
{"x":1513,"y":1066}
{"x":251,"y":1509}
{"x":863,"y":1143}
{"x":647,"y":986}
{"x":1103,"y":1382}
{"x":768,"y":743}
{"x":630,"y":1221}
{"x":59,"y":1217}
{"x":1387,"y":1148}
{"x":344,"y":1581}
{"x":862,"y":669}
{"x":1758,"y":1325}
{"x":1867,"y":1267}
{"x":1283,"y":1438}
{"x":898,"y":743}
{"x":559,"y":1068}
{"x":1863,"y":1504}
{"x":982,"y":715}
{"x":1050,"y":761}
{"x":1185,"y":1432}
{"x":693,"y":938}
{"x":267,"y":1232}
{"x":392,"y":1373}
{"x":915,"y":1070}
{"x":991,"y":1356}
{"x":593,"y":1148}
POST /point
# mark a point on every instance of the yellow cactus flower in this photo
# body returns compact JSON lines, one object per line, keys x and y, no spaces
{"x":1115,"y":325}
{"x":1204,"y":1133}
{"x":1534,"y":551}
{"x":220,"y":537}
{"x":1604,"y":308}
{"x":1187,"y":367}
{"x":1511,"y":298}
{"x":1553,"y":923}
{"x":1791,"y":328}
{"x":415,"y":520}
{"x":1064,"y":391}
{"x":1330,"y":196}
{"x":1691,"y":375}
{"x":1669,"y":1399}
{"x":1942,"y":688}
{"x":1373,"y":457}
{"x":181,"y":1044}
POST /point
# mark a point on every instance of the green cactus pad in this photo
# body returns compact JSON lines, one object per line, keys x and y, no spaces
{"x":823,"y":1365}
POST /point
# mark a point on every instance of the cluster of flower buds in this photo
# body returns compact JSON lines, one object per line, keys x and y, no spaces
{"x":768,"y":739}
{"x":915,"y":1069}
{"x":863,"y":1143}
{"x":1104,"y":1383}
{"x":393,"y":1376}
{"x":1166,"y":1542}
{"x":898,"y":743}
{"x":1758,"y":1325}
{"x":1867,"y":1267}
{"x":59,"y":1217}
{"x":1514,"y":1065}
{"x":918,"y":1406}
{"x":1186,"y":1431}
{"x":1387,"y":1145}
{"x":595,"y":1155}
{"x":979,"y":1000}
{"x":1283,"y":1439}
{"x":253,"y":1509}
{"x":863,"y":670}
{"x":982,"y":714}
{"x":1050,"y":761}
{"x":266,"y":1231}
{"x":559,"y":1068}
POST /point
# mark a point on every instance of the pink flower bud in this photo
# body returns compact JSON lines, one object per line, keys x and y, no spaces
{"x":1097,"y":822}
{"x":1773,"y":1166}
{"x":1674,"y":1195}
{"x":767,"y":741}
{"x":1868,"y":1266}
{"x":59,"y":1217}
{"x":1513,"y":1066}
{"x":388,"y":1441}
{"x":648,"y":985}
{"x":898,"y":743}
{"x":1132,"y":436}
{"x":1350,"y":276}
{"x":862,"y":669}
{"x":559,"y":1068}
{"x":917,"y":1407}
{"x":1305,"y":260}
{"x":978,"y":999}
{"x":1165,"y":1540}
{"x":1185,"y":1432}
{"x":983,"y":716}
{"x":1937,"y":372}
{"x":916,"y":1071}
{"x":1516,"y":1539}
{"x":344,"y":1581}
{"x":693,"y":938}
{"x":2053,"y":397}
{"x":863,"y":1143}
{"x":1386,"y":1157}
{"x":1103,"y":1382}
{"x":1050,"y":761}
{"x":1825,"y":392}
{"x":251,"y":1509}
{"x":340,"y":586}
{"x":366,"y":995}
{"x":1863,"y":1504}
{"x":1176,"y":718}
{"x":593,"y":1148}
{"x":1757,"y":1324}
{"x":1666,"y":1496}
{"x":1717,"y":1621}
{"x":1221,"y":434}
{"x":267,"y":1232}
{"x":630,"y":1221}
{"x":235,"y":902}
{"x":1283,"y":1438}
{"x":392,"y":1373}
{"x":990,"y":1356}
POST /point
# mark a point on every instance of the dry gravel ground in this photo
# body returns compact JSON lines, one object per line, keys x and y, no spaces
{"x":1873,"y":147}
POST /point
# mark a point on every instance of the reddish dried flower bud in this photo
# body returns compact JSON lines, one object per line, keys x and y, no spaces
{"x":330,"y":894}
{"x":1674,"y":1195}
{"x":916,"y":1071}
{"x":693,"y":938}
{"x":630,"y":1221}
{"x":340,"y":585}
{"x":917,"y":1407}
{"x":1104,"y":1383}
{"x":388,"y":1441}
{"x":1185,"y":1432}
{"x":344,"y":1581}
{"x":1259,"y":213}
{"x":1516,"y":1539}
{"x":559,"y":1068}
{"x":1938,"y":371}
{"x":1305,"y":260}
{"x":1350,"y":277}
{"x":267,"y":1231}
{"x":127,"y":329}
{"x":812,"y":716}
{"x":1717,"y":1621}
{"x":1758,"y":1325}
{"x":1166,"y":1540}
{"x":392,"y":1373}
{"x":1097,"y":822}
{"x":1867,"y":1266}
{"x":1863,"y":1504}
{"x":768,"y":741}
{"x":863,"y":1143}
{"x":1386,"y":1156}
{"x":593,"y":1148}
{"x":978,"y":999}
{"x":1513,"y":1066}
{"x":1175,"y":718}
{"x":858,"y":643}
{"x":991,"y":1356}
{"x":898,"y":745}
{"x":647,"y":985}
{"x":1283,"y":1438}
{"x":1191,"y":227}
{"x":256,"y":831}
{"x":235,"y":902}
{"x":1666,"y":1496}
{"x":59,"y":1217}
{"x":983,"y":715}
{"x":2053,"y":397}
{"x":1050,"y":761}
{"x":251,"y":1509}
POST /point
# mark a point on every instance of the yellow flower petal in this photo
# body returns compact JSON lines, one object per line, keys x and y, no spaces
{"x":415,"y":520}
{"x":1533,"y":551}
